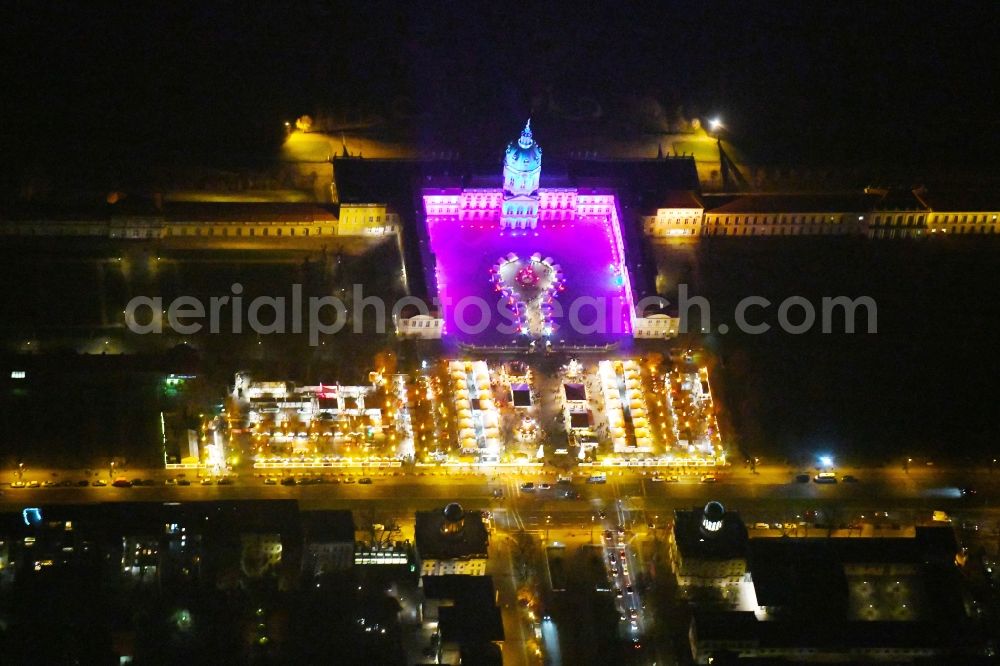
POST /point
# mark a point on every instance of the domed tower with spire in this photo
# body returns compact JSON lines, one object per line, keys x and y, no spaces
{"x":522,"y":169}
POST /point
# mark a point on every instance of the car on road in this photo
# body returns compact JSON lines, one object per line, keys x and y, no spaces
{"x":82,"y":483}
{"x":497,"y":492}
{"x":183,"y":482}
{"x":121,"y":483}
{"x":288,"y":481}
{"x":564,"y":480}
{"x":849,"y":478}
{"x":99,"y":483}
{"x":270,"y":481}
{"x":708,"y":478}
{"x":170,"y":482}
{"x":48,"y":484}
{"x":528,"y":486}
{"x":207,"y":481}
{"x":602,"y":514}
{"x":225,"y":481}
{"x":365,"y":481}
{"x":825,"y":477}
{"x":968,"y":491}
{"x":545,"y":486}
{"x":618,"y":592}
{"x":802,"y":478}
{"x":18,"y":484}
{"x":33,"y":484}
{"x":629,"y":589}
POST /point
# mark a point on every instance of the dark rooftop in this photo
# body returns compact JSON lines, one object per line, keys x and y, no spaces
{"x":850,"y":202}
{"x":470,"y":625}
{"x":328,"y":526}
{"x":472,"y":590}
{"x":481,"y":654}
{"x":473,"y":618}
{"x":898,"y":199}
{"x":980,"y":201}
{"x":181,"y":211}
{"x":744,"y":627}
{"x":469,"y":542}
{"x":679,"y":199}
{"x":125,"y":518}
{"x":796,"y":571}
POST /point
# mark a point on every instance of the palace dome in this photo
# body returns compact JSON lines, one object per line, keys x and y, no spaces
{"x":524,"y":154}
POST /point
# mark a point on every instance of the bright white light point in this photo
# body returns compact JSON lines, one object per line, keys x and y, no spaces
{"x":826,"y":461}
{"x":715,"y":123}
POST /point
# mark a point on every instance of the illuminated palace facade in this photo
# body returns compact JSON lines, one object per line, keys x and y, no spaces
{"x":535,"y":254}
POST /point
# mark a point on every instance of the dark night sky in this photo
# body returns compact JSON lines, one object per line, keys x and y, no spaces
{"x":207,"y":82}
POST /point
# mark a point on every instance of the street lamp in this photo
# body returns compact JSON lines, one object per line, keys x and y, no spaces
{"x":715,"y":124}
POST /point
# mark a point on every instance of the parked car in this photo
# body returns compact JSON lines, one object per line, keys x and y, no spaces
{"x":365,"y":481}
{"x":121,"y":483}
{"x":226,"y":481}
{"x":99,"y":483}
{"x":183,"y":482}
{"x":270,"y":481}
{"x":802,"y":478}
